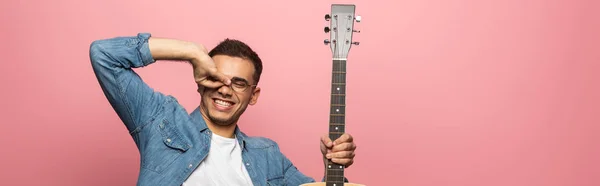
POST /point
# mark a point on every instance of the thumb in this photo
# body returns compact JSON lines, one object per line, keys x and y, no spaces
{"x":325,"y":144}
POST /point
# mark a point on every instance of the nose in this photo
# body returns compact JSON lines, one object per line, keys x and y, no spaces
{"x":225,"y":91}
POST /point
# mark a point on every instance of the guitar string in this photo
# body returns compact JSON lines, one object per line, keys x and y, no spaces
{"x":342,"y":78}
{"x":332,"y":175}
{"x":338,"y":78}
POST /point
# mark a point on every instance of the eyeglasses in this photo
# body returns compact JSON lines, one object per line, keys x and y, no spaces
{"x":239,"y":84}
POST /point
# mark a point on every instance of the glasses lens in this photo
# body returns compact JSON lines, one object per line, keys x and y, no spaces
{"x":238,"y":85}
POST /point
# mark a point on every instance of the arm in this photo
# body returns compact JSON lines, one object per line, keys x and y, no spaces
{"x":291,"y":174}
{"x":132,"y":99}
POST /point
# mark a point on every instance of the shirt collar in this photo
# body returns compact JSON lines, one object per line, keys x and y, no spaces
{"x":199,"y":121}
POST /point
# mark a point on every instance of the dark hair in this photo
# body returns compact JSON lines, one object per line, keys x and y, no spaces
{"x":236,"y":48}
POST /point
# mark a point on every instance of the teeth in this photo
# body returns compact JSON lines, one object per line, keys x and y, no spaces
{"x":222,"y":103}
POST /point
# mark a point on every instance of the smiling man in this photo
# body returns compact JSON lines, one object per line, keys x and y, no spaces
{"x":206,"y":146}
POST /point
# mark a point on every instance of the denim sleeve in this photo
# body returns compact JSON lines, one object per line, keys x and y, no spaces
{"x":291,"y":174}
{"x":132,"y":99}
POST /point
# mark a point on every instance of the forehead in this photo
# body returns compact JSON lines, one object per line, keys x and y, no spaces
{"x":234,"y":66}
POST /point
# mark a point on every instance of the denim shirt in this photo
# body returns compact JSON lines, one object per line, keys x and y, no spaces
{"x":171,"y":142}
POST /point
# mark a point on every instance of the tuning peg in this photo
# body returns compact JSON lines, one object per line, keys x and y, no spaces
{"x":358,"y":18}
{"x":326,"y":29}
{"x":356,"y":43}
{"x":327,"y":17}
{"x":357,"y":31}
{"x":326,"y":41}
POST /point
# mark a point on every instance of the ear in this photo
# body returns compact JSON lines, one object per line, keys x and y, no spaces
{"x":255,"y":95}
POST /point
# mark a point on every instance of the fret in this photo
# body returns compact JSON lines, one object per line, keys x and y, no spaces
{"x":339,"y":72}
{"x":337,"y":110}
{"x":337,"y":119}
{"x":338,"y":105}
{"x":336,"y":124}
{"x":338,"y":89}
{"x":337,"y":99}
{"x":335,"y":174}
{"x":339,"y":78}
{"x":337,"y":114}
{"x":337,"y":128}
{"x":338,"y":83}
{"x":336,"y":132}
{"x":339,"y":65}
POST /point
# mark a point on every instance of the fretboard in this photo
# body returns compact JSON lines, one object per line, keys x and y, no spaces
{"x":337,"y":117}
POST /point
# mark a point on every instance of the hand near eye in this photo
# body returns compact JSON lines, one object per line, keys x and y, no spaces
{"x":340,"y":151}
{"x":205,"y":71}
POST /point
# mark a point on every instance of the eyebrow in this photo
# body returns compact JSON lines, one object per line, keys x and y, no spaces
{"x":240,"y":79}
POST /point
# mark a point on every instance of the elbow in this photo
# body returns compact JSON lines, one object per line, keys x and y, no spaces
{"x":96,"y":50}
{"x":99,"y":56}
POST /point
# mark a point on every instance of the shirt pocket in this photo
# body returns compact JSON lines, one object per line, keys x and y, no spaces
{"x":166,"y":145}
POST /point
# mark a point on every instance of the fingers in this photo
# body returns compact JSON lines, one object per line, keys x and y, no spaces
{"x":344,"y":147}
{"x":344,"y":138}
{"x":341,"y":155}
{"x":326,"y":141}
{"x":345,"y":158}
{"x":206,"y":73}
{"x":218,"y":75}
{"x":340,"y":151}
{"x":326,"y":144}
{"x":214,"y":79}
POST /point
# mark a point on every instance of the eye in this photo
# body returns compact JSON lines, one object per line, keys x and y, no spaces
{"x":239,"y":84}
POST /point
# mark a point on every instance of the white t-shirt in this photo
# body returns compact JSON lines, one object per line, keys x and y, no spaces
{"x":223,"y":166}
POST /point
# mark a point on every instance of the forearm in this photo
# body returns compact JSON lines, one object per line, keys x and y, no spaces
{"x":171,"y":49}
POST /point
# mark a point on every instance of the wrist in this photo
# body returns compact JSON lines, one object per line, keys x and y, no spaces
{"x":196,"y":53}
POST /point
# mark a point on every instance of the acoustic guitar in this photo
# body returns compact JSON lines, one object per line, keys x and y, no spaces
{"x":340,"y":29}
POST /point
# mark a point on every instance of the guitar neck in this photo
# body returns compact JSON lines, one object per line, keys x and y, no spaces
{"x":337,"y":118}
{"x":337,"y":112}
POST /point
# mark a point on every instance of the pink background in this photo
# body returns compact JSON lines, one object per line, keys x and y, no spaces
{"x":454,"y":93}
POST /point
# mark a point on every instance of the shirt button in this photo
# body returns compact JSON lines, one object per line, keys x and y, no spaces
{"x":247,"y":164}
{"x":168,"y":140}
{"x":190,"y":166}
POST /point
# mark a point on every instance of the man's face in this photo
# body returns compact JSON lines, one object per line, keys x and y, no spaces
{"x":224,"y":105}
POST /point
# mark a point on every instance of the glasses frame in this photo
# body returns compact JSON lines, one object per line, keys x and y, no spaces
{"x":242,"y":80}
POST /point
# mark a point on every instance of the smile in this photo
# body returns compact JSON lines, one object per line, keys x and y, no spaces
{"x":222,"y":105}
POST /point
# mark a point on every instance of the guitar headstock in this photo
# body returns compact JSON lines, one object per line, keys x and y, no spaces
{"x":340,"y":29}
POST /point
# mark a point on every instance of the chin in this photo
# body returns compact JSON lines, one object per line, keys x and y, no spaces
{"x":222,"y":122}
{"x":220,"y":119}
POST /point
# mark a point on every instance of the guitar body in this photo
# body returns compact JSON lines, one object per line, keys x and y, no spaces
{"x":325,"y":184}
{"x":340,"y":29}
